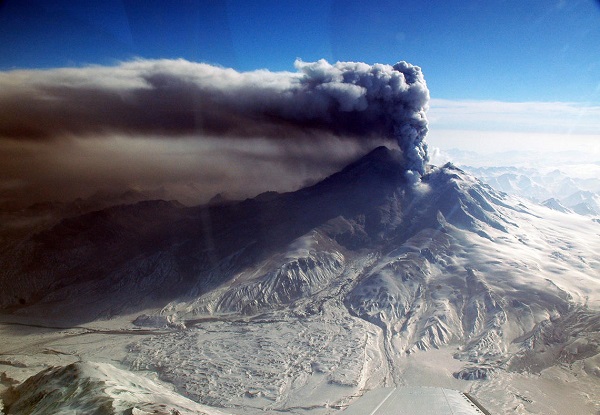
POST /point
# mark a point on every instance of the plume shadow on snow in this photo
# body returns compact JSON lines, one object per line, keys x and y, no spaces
{"x":134,"y":256}
{"x":128,"y":257}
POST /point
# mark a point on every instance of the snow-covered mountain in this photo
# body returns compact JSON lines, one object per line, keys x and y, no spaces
{"x":301,"y":301}
{"x":554,"y":204}
{"x":584,"y":202}
{"x":94,"y":388}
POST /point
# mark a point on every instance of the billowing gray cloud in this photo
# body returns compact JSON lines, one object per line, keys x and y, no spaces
{"x":177,"y":97}
{"x":177,"y":124}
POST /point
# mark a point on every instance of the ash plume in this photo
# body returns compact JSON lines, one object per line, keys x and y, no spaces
{"x":177,"y":98}
{"x":378,"y":100}
{"x":197,"y":130}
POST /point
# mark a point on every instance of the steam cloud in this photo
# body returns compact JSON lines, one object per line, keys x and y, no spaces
{"x":177,"y":98}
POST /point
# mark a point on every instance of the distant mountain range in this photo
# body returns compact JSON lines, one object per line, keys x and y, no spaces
{"x":582,"y":196}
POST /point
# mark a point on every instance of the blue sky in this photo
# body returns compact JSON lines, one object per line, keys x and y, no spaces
{"x":539,"y":50}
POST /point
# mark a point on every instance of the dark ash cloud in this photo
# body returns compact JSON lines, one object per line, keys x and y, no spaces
{"x":177,"y":97}
{"x":84,"y":127}
{"x":191,"y":171}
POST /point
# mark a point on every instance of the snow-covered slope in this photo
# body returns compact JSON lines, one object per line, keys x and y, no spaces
{"x":554,"y":204}
{"x":584,"y":203}
{"x":343,"y":286}
{"x":96,"y":388}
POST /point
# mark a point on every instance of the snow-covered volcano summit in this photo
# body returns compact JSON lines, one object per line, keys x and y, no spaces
{"x":156,"y":250}
{"x":341,"y":286}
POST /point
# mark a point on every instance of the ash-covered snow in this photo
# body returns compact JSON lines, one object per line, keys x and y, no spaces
{"x":261,"y":365}
{"x":364,"y":281}
{"x":488,"y":272}
{"x":96,"y":388}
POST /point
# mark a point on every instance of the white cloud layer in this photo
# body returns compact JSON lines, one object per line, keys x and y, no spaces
{"x":553,"y":117}
{"x":494,"y":126}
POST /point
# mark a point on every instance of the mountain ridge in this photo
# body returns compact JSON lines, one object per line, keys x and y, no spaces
{"x":365,"y":204}
{"x":340,"y":286}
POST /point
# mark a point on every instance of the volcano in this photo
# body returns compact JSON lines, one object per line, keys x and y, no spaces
{"x":302,"y":301}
